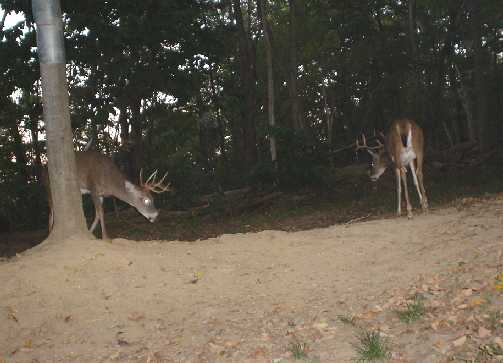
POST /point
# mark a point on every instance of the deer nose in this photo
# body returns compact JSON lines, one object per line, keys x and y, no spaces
{"x":153,"y":217}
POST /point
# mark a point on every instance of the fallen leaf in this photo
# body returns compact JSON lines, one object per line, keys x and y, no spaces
{"x":122,"y":342}
{"x":441,"y":346}
{"x":320,"y":326}
{"x":135,"y":316}
{"x":460,"y":341}
{"x":12,"y":314}
{"x":28,"y":344}
{"x":467,"y":292}
{"x":68,"y":318}
{"x":258,"y":353}
{"x":483,"y":332}
{"x":498,"y":341}
{"x":478,"y":301}
{"x":369,"y":315}
{"x":232,"y":343}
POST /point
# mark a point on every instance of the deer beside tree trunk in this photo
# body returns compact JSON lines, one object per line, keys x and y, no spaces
{"x":100,"y":177}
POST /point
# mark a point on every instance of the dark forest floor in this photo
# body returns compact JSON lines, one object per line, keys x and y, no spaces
{"x":351,"y":198}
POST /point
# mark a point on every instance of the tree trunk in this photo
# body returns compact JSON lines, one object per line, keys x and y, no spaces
{"x":296,"y":116}
{"x":137,"y":138}
{"x":221,"y":127}
{"x":67,"y":201}
{"x":261,"y":8}
{"x":36,"y":147}
{"x":479,"y":69}
{"x":413,"y":58}
{"x":19,"y":152}
{"x":248,"y":85}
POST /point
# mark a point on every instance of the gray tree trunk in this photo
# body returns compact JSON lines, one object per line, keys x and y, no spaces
{"x":67,"y":201}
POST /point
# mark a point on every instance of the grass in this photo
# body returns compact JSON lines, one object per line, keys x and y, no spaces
{"x":495,"y":320}
{"x":488,"y":353}
{"x":371,"y":347}
{"x":298,"y":350}
{"x":414,"y":311}
{"x":347,"y":319}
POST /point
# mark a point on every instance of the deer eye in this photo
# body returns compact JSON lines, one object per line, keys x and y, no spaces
{"x":147,"y":201}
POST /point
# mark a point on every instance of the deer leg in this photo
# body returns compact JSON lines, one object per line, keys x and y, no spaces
{"x":414,"y":178}
{"x":398,"y":192}
{"x":421,"y":185}
{"x":95,"y":222}
{"x":99,"y":216}
{"x":51,"y":220}
{"x":406,"y":192}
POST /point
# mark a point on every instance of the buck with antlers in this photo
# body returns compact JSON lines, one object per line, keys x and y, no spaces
{"x":100,"y":177}
{"x":403,"y":144}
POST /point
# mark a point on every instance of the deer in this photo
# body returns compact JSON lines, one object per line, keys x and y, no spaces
{"x":100,"y":177}
{"x":403,"y":147}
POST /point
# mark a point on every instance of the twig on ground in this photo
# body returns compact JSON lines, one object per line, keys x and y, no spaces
{"x":354,"y":220}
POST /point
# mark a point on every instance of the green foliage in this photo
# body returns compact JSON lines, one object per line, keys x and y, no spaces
{"x":152,"y":71}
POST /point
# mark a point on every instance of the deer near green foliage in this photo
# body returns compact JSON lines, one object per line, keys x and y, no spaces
{"x":100,"y":177}
{"x":403,"y":147}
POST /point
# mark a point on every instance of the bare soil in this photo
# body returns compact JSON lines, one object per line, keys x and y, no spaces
{"x":247,"y":297}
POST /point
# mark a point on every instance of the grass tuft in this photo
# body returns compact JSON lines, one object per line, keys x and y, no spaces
{"x":347,"y":319}
{"x":414,"y":310}
{"x":371,"y":347}
{"x":298,"y":350}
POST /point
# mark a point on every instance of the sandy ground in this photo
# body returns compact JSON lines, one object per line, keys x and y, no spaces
{"x":236,"y":298}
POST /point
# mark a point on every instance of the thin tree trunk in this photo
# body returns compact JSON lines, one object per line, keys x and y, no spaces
{"x":2,"y":22}
{"x":413,"y":56}
{"x":36,"y":147}
{"x":261,"y":6}
{"x":296,"y":116}
{"x":221,"y":128}
{"x":465,"y":101}
{"x":137,"y":138}
{"x":248,"y":83}
{"x":479,"y":83}
{"x":19,"y":152}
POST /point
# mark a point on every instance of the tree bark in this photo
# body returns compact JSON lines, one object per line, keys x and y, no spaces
{"x":248,"y":85}
{"x":137,"y":138}
{"x":413,"y":58}
{"x":67,"y":201}
{"x":19,"y":152}
{"x":479,"y":76}
{"x":296,"y":116}
{"x":261,"y":8}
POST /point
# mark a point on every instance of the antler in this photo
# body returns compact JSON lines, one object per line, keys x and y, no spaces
{"x":364,"y":145}
{"x":153,"y":185}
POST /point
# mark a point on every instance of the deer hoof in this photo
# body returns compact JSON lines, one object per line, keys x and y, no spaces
{"x":409,"y":214}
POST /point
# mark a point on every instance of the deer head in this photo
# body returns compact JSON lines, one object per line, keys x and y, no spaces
{"x":143,"y":199}
{"x":379,"y":161}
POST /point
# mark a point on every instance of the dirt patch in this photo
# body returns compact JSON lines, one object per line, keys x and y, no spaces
{"x":235,"y":298}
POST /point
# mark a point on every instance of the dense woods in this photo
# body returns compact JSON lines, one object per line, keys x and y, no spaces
{"x":232,"y":93}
